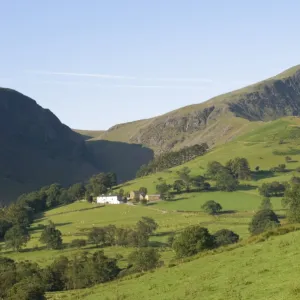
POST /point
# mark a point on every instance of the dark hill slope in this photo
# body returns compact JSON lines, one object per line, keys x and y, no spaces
{"x":217,"y":120}
{"x":36,"y":148}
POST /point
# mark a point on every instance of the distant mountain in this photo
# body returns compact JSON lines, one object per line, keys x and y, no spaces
{"x":217,"y":120}
{"x":37,"y":149}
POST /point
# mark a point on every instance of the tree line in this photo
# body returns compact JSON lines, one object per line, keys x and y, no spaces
{"x":172,"y":159}
{"x":16,"y":218}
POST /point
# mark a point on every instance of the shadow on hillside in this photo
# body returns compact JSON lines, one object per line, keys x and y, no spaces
{"x":246,"y":187}
{"x":227,"y":212}
{"x":262,"y":174}
{"x":157,"y":244}
{"x":122,"y":158}
{"x":163,"y":233}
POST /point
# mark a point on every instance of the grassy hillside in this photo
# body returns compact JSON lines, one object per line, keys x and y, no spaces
{"x":217,"y":120}
{"x":261,"y":271}
{"x":266,"y":270}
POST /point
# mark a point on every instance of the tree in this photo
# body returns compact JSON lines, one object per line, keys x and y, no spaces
{"x":257,"y":168}
{"x":239,"y":168}
{"x":266,"y":203}
{"x":213,"y":169}
{"x":4,"y":226}
{"x":64,"y":197}
{"x":8,"y":276}
{"x":211,"y":207}
{"x":144,"y":259}
{"x":55,"y":275}
{"x":19,"y":215}
{"x":51,"y":237}
{"x":112,"y":179}
{"x":200,"y":184}
{"x":178,"y":185}
{"x":146,"y":225}
{"x":88,"y":197}
{"x":143,"y":191}
{"x":16,"y":237}
{"x":225,"y":237}
{"x":291,"y":200}
{"x":99,"y":184}
{"x":192,"y":240}
{"x":27,"y":289}
{"x":184,"y":176}
{"x":162,"y":188}
{"x":97,"y":236}
{"x":77,"y":191}
{"x":263,"y":220}
{"x":53,"y":193}
{"x":274,"y":188}
{"x":226,"y":182}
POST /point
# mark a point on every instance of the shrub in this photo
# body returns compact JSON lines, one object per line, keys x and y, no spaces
{"x":78,"y":243}
{"x":225,"y":237}
{"x":192,"y":240}
{"x":144,"y":259}
{"x":212,"y":207}
{"x":263,"y":220}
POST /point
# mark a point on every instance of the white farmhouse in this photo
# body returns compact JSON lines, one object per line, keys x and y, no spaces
{"x":110,"y":199}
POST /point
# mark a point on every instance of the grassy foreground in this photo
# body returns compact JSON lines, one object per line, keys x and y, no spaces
{"x":262,"y":271}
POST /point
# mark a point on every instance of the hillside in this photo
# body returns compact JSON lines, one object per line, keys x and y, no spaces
{"x":217,"y":120}
{"x":240,"y":273}
{"x":37,"y":149}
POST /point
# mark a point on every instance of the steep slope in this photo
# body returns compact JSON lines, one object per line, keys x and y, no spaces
{"x":36,"y":148}
{"x":217,"y":120}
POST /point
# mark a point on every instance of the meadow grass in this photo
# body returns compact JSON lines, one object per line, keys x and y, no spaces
{"x":261,"y":271}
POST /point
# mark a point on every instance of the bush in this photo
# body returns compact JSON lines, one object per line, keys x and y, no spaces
{"x":144,"y":259}
{"x":225,"y":237}
{"x":212,"y":207}
{"x":78,"y":243}
{"x":192,"y":240}
{"x":263,"y":220}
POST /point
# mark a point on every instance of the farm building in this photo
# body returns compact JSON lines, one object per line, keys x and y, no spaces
{"x":110,"y":199}
{"x":155,"y":197}
{"x":136,"y":195}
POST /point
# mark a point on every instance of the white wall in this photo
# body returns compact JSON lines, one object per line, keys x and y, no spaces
{"x":108,"y":199}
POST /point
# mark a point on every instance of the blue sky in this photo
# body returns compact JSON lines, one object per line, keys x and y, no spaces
{"x":96,"y":63}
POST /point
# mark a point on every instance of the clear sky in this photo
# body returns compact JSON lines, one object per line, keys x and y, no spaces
{"x":96,"y":63}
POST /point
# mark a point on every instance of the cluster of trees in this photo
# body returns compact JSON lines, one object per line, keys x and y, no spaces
{"x":172,"y":159}
{"x":227,"y":177}
{"x":184,"y":182}
{"x":195,"y":239}
{"x":274,"y":188}
{"x":26,"y":280}
{"x":113,"y":236}
{"x":16,"y":218}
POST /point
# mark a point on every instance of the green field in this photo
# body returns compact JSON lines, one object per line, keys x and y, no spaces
{"x":255,"y":271}
{"x":262,"y":271}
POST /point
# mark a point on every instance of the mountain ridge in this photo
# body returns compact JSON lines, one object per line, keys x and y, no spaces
{"x":266,"y":100}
